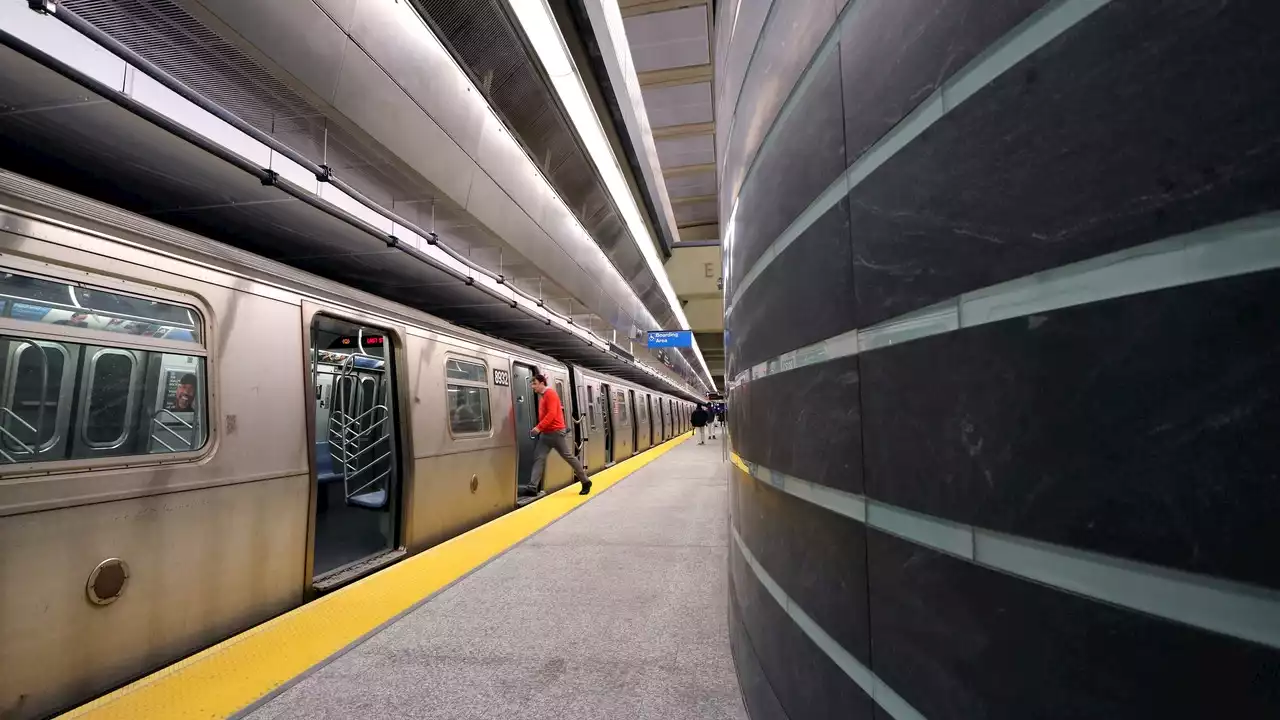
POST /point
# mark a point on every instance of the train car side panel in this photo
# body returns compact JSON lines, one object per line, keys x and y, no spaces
{"x":463,"y":442}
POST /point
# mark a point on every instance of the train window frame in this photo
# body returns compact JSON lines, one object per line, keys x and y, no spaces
{"x":61,"y":412}
{"x":620,"y":407}
{"x":77,"y":343}
{"x":87,"y":399}
{"x":111,"y":287}
{"x":564,"y":406}
{"x":452,"y":382}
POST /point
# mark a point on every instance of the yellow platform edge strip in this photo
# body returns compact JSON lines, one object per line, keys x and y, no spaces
{"x":226,"y":678}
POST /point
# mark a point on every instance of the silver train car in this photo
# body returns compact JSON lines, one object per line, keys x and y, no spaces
{"x":194,"y":439}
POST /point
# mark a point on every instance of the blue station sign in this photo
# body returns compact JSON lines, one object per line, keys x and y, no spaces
{"x":670,"y":338}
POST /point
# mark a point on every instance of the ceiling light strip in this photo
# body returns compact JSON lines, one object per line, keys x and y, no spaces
{"x":539,"y":26}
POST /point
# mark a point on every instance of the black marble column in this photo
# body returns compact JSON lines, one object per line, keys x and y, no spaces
{"x":1138,"y":428}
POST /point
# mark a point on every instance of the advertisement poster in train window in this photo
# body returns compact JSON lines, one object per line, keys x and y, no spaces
{"x":81,"y":318}
{"x":178,"y":398}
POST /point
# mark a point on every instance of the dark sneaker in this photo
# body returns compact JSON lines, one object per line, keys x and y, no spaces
{"x":586,"y":488}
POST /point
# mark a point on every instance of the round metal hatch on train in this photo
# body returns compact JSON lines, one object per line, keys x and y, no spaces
{"x":107,"y":581}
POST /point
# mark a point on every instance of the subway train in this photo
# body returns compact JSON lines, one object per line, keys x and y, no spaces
{"x":191,"y":444}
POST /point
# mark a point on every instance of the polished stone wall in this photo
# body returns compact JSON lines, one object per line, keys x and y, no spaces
{"x":1003,"y":287}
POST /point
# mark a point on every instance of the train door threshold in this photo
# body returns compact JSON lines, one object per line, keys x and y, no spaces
{"x":526,"y":499}
{"x":338,"y":577}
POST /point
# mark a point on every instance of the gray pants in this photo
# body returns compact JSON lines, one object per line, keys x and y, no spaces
{"x":558,"y":439}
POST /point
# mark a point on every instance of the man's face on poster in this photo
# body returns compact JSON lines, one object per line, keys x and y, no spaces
{"x":185,"y":397}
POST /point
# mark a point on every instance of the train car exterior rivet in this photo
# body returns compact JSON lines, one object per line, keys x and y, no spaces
{"x":107,"y":581}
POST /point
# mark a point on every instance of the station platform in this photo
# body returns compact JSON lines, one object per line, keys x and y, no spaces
{"x":611,"y":605}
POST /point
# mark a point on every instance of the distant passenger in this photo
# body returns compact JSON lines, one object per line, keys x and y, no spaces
{"x":550,"y":433}
{"x":699,"y":419}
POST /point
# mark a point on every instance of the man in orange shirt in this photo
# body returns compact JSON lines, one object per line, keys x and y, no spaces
{"x":550,"y":432}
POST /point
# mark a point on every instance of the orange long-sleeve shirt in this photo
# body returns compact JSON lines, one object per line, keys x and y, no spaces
{"x":550,"y":414}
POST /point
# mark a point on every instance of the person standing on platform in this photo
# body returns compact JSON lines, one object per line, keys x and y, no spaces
{"x":550,"y":433}
{"x":698,"y":419}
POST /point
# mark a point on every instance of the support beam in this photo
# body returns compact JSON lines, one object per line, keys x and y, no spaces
{"x":687,"y":130}
{"x":683,"y":170}
{"x":631,"y":8}
{"x":692,"y":199}
{"x":671,"y":77}
{"x":704,"y":231}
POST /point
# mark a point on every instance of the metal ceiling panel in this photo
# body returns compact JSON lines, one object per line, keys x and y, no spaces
{"x":682,"y":151}
{"x":366,"y":96}
{"x":407,"y":57}
{"x":678,"y":104}
{"x":505,"y":163}
{"x":703,"y":211}
{"x":341,"y":11}
{"x":692,"y":184}
{"x":307,"y":50}
{"x":676,"y":38}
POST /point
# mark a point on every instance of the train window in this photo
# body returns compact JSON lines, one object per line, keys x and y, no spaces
{"x":105,"y":422}
{"x":591,"y":406}
{"x":73,"y":401}
{"x":641,"y":410}
{"x":54,"y":302}
{"x":564,"y":403}
{"x":33,"y":390}
{"x":620,"y":408}
{"x":468,"y":371}
{"x":101,"y":381}
{"x":468,"y":397}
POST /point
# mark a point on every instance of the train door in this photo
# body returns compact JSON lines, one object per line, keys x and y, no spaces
{"x":526,"y":405}
{"x":605,"y":399}
{"x":662,"y":422}
{"x":592,"y":449}
{"x":653,"y":418}
{"x":356,"y":468}
{"x":635,"y":422}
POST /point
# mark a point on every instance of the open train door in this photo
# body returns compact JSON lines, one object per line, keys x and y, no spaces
{"x":526,"y":408}
{"x":605,"y":398}
{"x":356,"y":466}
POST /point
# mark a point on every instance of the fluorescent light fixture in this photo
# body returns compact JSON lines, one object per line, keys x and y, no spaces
{"x":540,"y":27}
